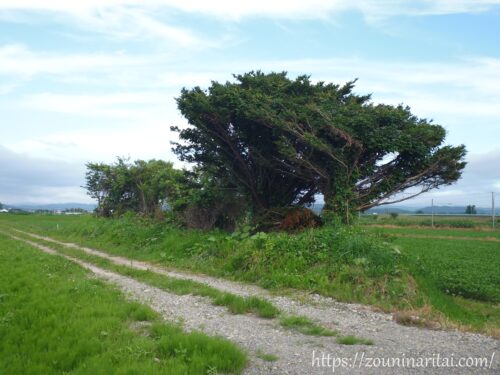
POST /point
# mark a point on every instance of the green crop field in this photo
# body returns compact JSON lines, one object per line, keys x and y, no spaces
{"x":431,"y":272}
{"x":467,"y":234}
{"x":439,"y":221}
{"x":458,"y":267}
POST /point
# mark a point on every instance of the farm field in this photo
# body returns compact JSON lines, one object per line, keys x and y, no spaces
{"x":448,"y":280}
{"x":460,"y":233}
{"x":440,"y":221}
{"x":85,"y":326}
{"x":462,"y":263}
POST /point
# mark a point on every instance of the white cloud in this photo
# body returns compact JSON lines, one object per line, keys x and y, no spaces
{"x":139,"y":141}
{"x":230,"y":9}
{"x":481,"y":176}
{"x":481,"y":74}
{"x":138,"y":23}
{"x":38,"y":179}
{"x":467,"y":87}
{"x":456,"y":93}
{"x":16,"y":59}
{"x":43,"y":194}
{"x":190,"y":79}
{"x":137,"y":105}
{"x":118,"y":19}
{"x":5,"y":89}
{"x":484,"y":165}
{"x":145,"y":24}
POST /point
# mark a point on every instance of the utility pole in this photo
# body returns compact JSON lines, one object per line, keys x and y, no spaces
{"x":432,"y":212}
{"x":493,"y":209}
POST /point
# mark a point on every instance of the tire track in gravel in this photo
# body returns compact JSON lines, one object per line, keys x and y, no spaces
{"x":293,"y":349}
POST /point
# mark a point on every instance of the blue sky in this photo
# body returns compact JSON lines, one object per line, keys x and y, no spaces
{"x":92,"y":80}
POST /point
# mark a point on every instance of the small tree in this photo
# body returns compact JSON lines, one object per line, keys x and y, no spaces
{"x":471,"y":210}
{"x":142,"y":186}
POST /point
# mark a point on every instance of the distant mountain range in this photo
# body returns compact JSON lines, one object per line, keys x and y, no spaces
{"x":52,"y":207}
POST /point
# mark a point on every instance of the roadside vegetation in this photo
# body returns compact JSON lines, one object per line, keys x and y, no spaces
{"x":55,"y":318}
{"x":451,"y":282}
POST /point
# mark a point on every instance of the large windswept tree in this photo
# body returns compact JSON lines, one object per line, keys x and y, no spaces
{"x":283,"y":141}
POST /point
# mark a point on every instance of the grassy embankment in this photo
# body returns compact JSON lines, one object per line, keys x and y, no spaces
{"x":450,"y":281}
{"x":54,"y":318}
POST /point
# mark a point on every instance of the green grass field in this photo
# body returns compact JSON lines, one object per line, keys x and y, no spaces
{"x":56,"y":319}
{"x":450,"y":280}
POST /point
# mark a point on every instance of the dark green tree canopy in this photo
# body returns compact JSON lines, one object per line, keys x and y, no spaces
{"x":471,"y":210}
{"x":229,"y":139}
{"x":282,"y":141}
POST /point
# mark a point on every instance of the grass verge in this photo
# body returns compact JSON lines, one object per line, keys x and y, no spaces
{"x":55,"y":319}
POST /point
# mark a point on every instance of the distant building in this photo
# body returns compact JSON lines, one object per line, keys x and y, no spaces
{"x":4,"y":210}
